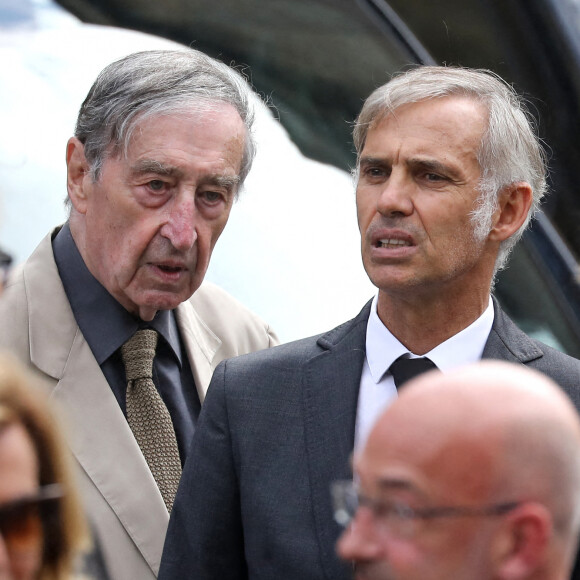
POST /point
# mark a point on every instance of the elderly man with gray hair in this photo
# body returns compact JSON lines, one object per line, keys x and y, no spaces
{"x":449,"y":173}
{"x":110,"y":309}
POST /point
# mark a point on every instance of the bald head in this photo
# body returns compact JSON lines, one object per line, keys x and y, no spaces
{"x":485,"y":435}
{"x":518,"y":416}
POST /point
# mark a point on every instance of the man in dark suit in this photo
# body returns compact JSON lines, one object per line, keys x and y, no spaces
{"x":449,"y":173}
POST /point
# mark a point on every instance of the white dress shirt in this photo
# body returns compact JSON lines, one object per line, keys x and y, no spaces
{"x":377,"y":387}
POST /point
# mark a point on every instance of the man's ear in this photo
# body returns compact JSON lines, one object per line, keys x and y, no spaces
{"x":78,"y":176}
{"x":514,"y":201}
{"x":521,"y":546}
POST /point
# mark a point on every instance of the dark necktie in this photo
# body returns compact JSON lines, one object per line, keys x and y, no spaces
{"x":148,"y":416}
{"x":404,"y":369}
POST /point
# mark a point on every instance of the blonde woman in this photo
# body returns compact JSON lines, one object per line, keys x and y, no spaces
{"x":42,"y":530}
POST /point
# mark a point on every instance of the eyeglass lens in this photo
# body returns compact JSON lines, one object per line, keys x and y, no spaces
{"x":21,"y":521}
{"x":21,"y":526}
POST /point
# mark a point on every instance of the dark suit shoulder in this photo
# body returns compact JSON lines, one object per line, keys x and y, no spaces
{"x":507,"y":342}
{"x":562,"y":368}
{"x":295,"y":353}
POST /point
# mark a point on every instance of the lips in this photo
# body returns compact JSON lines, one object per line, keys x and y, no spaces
{"x":170,"y":269}
{"x":389,"y":238}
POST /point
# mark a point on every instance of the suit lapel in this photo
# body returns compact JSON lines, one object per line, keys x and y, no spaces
{"x":331,"y":385}
{"x":507,"y":342}
{"x":201,"y":345}
{"x":102,"y":441}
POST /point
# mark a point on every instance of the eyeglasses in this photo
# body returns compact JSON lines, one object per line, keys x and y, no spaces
{"x":397,"y":516}
{"x":5,"y":262}
{"x":23,"y":520}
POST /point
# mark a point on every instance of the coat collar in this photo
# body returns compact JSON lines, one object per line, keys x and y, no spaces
{"x":51,"y":321}
{"x":102,"y":438}
{"x":507,"y":342}
{"x":201,"y":345}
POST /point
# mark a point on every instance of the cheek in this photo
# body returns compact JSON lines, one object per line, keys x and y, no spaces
{"x":446,"y":226}
{"x":26,"y":565}
{"x":214,"y":229}
{"x":122,"y":254}
{"x":362,"y":211}
{"x":216,"y":233}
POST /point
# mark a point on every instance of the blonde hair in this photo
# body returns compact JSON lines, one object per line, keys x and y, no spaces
{"x":21,"y":403}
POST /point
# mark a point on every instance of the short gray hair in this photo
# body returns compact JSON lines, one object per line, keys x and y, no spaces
{"x":510,"y":150}
{"x":156,"y":82}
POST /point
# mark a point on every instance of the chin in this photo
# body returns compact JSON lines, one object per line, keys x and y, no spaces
{"x":162,"y":301}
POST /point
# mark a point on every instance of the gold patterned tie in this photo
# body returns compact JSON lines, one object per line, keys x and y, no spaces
{"x":148,"y":416}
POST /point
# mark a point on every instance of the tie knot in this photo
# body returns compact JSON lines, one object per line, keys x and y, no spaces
{"x":138,"y":354}
{"x":404,"y":369}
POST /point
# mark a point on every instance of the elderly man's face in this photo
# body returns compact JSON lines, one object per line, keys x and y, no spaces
{"x":417,"y":186}
{"x":421,"y":468}
{"x":150,"y":223}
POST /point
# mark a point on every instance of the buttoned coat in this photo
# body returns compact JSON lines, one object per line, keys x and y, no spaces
{"x":276,"y":429}
{"x":122,"y":499}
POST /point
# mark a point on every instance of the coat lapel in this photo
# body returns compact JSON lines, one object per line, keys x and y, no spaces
{"x":101,"y":439}
{"x":104,"y":445}
{"x":331,"y":385}
{"x":201,"y":345}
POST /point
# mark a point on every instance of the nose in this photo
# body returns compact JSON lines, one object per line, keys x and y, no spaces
{"x":180,"y":227}
{"x":395,"y":197}
{"x":359,"y":542}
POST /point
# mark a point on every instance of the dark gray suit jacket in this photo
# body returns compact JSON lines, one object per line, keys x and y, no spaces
{"x":276,"y":428}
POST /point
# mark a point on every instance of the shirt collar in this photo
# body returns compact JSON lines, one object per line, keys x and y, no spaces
{"x":105,"y":324}
{"x":382,"y":348}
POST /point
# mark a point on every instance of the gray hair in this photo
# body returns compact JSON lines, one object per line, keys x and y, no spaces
{"x":510,"y":151}
{"x":150,"y":83}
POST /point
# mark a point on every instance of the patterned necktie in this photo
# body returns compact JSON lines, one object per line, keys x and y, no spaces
{"x":148,"y":416}
{"x":404,"y":369}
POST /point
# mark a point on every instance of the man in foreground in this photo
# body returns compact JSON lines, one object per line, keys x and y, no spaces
{"x":110,"y":309}
{"x":449,"y":174}
{"x":469,"y":475}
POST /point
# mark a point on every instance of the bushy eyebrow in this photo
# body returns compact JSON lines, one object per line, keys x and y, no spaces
{"x":416,"y":163}
{"x":144,"y":166}
{"x":227,"y":181}
{"x":151,"y":166}
{"x":434,"y":166}
{"x":366,"y":160}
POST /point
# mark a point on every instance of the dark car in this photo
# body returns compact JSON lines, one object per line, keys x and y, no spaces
{"x":316,"y":61}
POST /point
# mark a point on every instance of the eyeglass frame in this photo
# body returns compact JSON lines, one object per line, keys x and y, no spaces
{"x":346,"y":500}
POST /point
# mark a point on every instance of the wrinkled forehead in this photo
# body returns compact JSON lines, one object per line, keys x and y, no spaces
{"x":478,"y":103}
{"x":444,"y":109}
{"x":203,"y":113}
